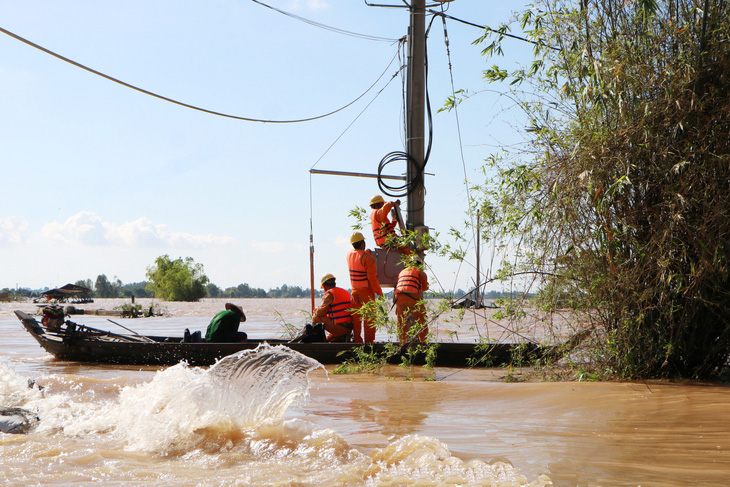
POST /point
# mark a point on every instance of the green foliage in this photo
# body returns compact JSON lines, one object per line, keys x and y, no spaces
{"x":21,"y":293}
{"x":428,"y":350}
{"x":107,"y":289}
{"x":87,"y":283}
{"x":362,"y":219}
{"x":290,"y":330}
{"x":213,"y":291}
{"x":365,"y":360}
{"x":135,"y":289}
{"x":286,"y":291}
{"x":619,"y":208}
{"x":243,"y":291}
{"x":130,"y":310}
{"x":177,"y":280}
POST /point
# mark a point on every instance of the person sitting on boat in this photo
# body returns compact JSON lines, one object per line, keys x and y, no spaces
{"x":224,"y":326}
{"x":334,"y":311}
{"x":383,"y":228}
{"x":365,"y":286}
{"x":53,"y":317}
{"x":409,"y":306}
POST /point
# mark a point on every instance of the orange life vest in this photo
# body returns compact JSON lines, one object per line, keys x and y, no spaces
{"x":409,"y":281}
{"x":340,"y":308}
{"x":358,"y":273}
{"x":382,"y":229}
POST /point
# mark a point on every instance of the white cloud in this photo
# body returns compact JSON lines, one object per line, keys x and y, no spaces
{"x":12,"y":231}
{"x":342,"y":241}
{"x":83,"y":228}
{"x":270,"y":247}
{"x":87,"y":228}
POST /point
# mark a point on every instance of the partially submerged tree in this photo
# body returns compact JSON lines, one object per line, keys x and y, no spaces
{"x":105,"y":288}
{"x":177,"y":280}
{"x":621,"y":204}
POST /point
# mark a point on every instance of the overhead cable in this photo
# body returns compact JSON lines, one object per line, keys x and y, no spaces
{"x":442,"y":14}
{"x":326,"y":27}
{"x":357,"y":117}
{"x":186,"y":105}
{"x":461,"y":148}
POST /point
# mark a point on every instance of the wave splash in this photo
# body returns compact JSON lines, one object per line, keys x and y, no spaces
{"x":183,"y":408}
{"x":259,"y":385}
{"x":225,"y":421}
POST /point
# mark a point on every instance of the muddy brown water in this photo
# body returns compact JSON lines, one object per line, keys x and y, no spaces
{"x":114,"y":425}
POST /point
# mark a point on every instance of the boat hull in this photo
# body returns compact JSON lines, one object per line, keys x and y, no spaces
{"x":154,"y":350}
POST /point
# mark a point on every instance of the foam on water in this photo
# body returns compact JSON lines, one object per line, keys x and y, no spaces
{"x":259,"y":385}
{"x":240,"y":392}
{"x":14,"y":390}
{"x":225,"y":421}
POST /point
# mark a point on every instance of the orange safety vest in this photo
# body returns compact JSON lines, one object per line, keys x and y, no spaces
{"x":340,"y":308}
{"x":382,"y":230}
{"x":358,"y":273}
{"x":409,"y":281}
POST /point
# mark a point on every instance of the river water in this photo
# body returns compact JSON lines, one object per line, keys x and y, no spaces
{"x":304,"y":426}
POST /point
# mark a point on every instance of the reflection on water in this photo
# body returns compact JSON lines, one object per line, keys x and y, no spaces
{"x":137,"y":425}
{"x":377,"y":410}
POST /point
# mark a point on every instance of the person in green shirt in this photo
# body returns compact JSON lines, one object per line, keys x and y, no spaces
{"x":224,"y":326}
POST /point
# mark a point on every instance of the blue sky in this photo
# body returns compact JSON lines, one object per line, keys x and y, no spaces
{"x":100,"y":179}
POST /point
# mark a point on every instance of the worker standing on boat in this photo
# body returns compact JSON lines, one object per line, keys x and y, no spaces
{"x":334,"y":312}
{"x":409,"y":305}
{"x":365,"y":286}
{"x":383,"y":229}
{"x":224,"y":326}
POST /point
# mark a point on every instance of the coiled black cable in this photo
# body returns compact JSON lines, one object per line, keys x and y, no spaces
{"x":408,"y":187}
{"x":398,"y":191}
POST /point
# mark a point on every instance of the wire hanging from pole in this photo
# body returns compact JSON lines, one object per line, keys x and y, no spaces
{"x":407,"y":188}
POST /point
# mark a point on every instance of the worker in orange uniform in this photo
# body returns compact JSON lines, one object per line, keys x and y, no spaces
{"x":384,"y":229}
{"x":409,"y":306}
{"x":334,"y":311}
{"x":365,"y":286}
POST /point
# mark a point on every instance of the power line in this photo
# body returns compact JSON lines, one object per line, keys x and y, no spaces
{"x":356,"y":118}
{"x":186,"y":105}
{"x":441,"y":14}
{"x":326,"y":27}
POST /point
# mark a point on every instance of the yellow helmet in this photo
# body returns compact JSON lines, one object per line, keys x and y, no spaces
{"x":326,"y":278}
{"x":356,"y":237}
{"x":376,"y":199}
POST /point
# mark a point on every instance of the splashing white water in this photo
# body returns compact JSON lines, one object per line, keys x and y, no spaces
{"x":259,"y":385}
{"x":240,"y":392}
{"x":226,"y":422}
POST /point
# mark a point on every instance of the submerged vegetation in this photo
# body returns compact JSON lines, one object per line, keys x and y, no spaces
{"x":177,"y":280}
{"x":619,"y":209}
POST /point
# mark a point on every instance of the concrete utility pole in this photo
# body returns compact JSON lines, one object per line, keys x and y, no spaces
{"x":415,"y":109}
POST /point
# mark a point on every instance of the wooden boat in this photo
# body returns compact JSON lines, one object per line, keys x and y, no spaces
{"x":84,"y":344}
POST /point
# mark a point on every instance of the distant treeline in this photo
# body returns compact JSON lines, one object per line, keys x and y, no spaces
{"x":104,"y":288}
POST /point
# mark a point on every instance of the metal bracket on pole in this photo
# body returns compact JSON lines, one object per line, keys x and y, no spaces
{"x":356,"y":174}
